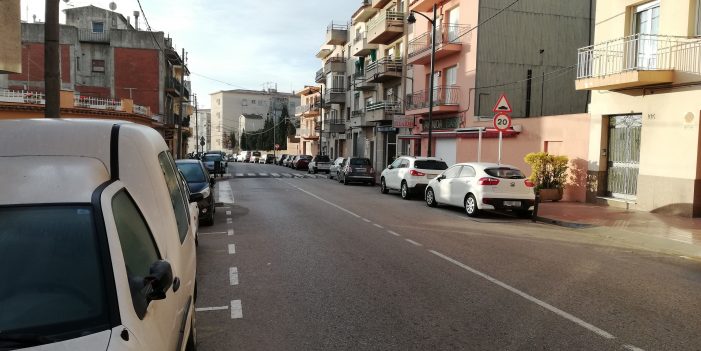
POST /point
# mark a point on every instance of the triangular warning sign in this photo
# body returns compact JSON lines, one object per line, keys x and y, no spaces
{"x":502,"y":105}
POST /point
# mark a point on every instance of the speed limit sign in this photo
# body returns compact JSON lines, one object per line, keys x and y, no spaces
{"x":502,"y":122}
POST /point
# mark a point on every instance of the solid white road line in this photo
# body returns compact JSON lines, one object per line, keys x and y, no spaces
{"x":413,"y":242}
{"x":234,"y":276}
{"x":632,"y":348}
{"x":224,"y":192}
{"x":218,"y":308}
{"x":379,"y":226}
{"x":323,"y":200}
{"x":236,"y":310}
{"x":210,"y":233}
{"x":232,"y":249}
{"x":393,"y":233}
{"x":230,"y":232}
{"x":228,"y":213}
{"x":530,"y":298}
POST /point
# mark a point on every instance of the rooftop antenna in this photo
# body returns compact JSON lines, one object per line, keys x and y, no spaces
{"x":136,"y":19}
{"x":113,"y":5}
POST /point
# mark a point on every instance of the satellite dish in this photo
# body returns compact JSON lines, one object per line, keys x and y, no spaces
{"x":113,"y":5}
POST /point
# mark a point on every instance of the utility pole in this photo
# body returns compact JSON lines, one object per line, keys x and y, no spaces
{"x":542,"y":83}
{"x":180,"y":114}
{"x":52,"y":76}
{"x":197,"y":127}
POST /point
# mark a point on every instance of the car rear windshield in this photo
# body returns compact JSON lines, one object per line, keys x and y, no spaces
{"x":505,"y":172}
{"x":210,"y":158}
{"x":193,"y":172}
{"x":323,"y":159}
{"x":360,"y":162}
{"x":256,"y":153}
{"x":51,"y":272}
{"x":431,"y":164}
{"x":306,"y":157}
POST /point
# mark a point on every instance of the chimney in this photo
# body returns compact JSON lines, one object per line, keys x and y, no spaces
{"x":136,"y":19}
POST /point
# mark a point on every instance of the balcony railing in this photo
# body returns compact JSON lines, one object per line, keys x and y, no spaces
{"x":87,"y":35}
{"x":335,"y":64}
{"x":307,"y":109}
{"x":446,"y":34}
{"x":639,"y":52}
{"x":442,"y":96}
{"x":336,"y":34}
{"x":141,"y":110}
{"x":334,"y":95}
{"x":391,"y":107}
{"x":320,"y":78}
{"x":22,"y":96}
{"x":173,"y":84}
{"x":384,"y":69}
{"x":385,"y":27}
{"x":97,"y":103}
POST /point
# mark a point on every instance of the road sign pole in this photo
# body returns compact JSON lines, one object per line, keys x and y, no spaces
{"x":500,"y":134}
{"x":479,"y":146}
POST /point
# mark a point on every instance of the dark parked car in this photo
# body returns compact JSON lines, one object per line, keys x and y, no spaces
{"x":198,"y":181}
{"x":302,"y":162}
{"x":357,"y":169}
{"x":214,"y":164}
{"x":269,"y":158}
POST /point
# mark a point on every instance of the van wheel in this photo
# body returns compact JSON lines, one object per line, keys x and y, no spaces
{"x":191,"y":344}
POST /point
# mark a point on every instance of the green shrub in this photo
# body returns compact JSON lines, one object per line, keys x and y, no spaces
{"x":548,"y":171}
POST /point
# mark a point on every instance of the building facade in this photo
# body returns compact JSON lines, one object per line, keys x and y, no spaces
{"x":200,"y":130}
{"x":309,"y":116}
{"x":102,"y":56}
{"x":643,"y":72}
{"x":228,"y":106}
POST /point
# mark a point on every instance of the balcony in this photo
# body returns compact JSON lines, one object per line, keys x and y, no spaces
{"x":308,"y":133}
{"x":173,"y":85}
{"x":334,"y":96}
{"x":379,"y":4}
{"x":88,"y":36}
{"x":635,"y":61}
{"x":336,"y":34}
{"x":334,"y":126}
{"x":449,"y":41}
{"x":307,"y":110}
{"x":384,"y":70}
{"x":358,"y":121}
{"x":423,"y":5}
{"x":364,"y":13}
{"x":362,"y":84}
{"x":386,"y":27}
{"x":320,"y":76}
{"x":335,"y":64}
{"x":361,"y":47}
{"x":382,"y":111}
{"x":445,"y":99}
{"x":323,"y":52}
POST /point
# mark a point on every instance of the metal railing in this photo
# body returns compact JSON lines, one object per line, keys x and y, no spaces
{"x":301,"y":109}
{"x":384,"y":65}
{"x":88,"y":35}
{"x":97,"y":103}
{"x":442,"y":96}
{"x":357,"y":113}
{"x":319,"y":78}
{"x":141,"y":110}
{"x":387,"y":106}
{"x":335,"y":26}
{"x":445,"y":34}
{"x":359,"y":37}
{"x":384,"y":17}
{"x":639,"y":52}
{"x":173,"y":83}
{"x":22,"y":96}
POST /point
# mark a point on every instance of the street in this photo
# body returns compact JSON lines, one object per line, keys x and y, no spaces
{"x":310,"y":264}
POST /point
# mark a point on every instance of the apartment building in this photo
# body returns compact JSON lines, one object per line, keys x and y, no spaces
{"x":228,"y":106}
{"x":524,"y":52}
{"x":200,"y":129}
{"x":104,"y":57}
{"x":643,"y":72}
{"x":309,"y":116}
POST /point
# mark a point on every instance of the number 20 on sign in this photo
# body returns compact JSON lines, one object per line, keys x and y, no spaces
{"x":502,"y":122}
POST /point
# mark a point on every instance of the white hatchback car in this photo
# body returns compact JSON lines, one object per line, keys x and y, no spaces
{"x":98,"y":245}
{"x":482,"y":186}
{"x":410,"y":174}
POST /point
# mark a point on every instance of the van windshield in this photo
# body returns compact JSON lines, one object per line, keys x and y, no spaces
{"x":51,"y":267}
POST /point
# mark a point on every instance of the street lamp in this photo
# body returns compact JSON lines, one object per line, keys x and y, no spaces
{"x":411,"y":19}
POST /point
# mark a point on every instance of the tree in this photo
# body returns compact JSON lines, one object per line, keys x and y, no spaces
{"x":232,"y":140}
{"x":282,"y":131}
{"x":244,"y":140}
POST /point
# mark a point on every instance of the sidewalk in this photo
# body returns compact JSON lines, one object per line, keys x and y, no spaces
{"x":668,"y":234}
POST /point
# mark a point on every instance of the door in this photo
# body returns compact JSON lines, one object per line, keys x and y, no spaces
{"x":391,"y":174}
{"x":462,"y":185}
{"x":446,"y":150}
{"x":453,"y":24}
{"x":449,"y":95}
{"x":623,"y":156}
{"x":446,"y":185}
{"x":647,"y":25}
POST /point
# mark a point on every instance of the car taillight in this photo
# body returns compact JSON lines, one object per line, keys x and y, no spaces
{"x":488,"y":181}
{"x":416,"y":173}
{"x":529,"y":183}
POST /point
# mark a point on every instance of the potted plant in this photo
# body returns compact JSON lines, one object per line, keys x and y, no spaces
{"x":549,"y":174}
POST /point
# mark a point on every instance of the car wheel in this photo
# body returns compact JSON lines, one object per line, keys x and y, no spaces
{"x":406,"y":194}
{"x":471,"y":206}
{"x":383,"y":186}
{"x":192,"y":339}
{"x":431,"y":198}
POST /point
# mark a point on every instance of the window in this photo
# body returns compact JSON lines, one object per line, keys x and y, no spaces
{"x":396,"y":163}
{"x":98,"y":66}
{"x":180,"y":207}
{"x":77,"y":63}
{"x":451,"y":76}
{"x":404,"y":164}
{"x":98,"y":27}
{"x":431,"y":164}
{"x":218,"y":103}
{"x":698,"y":18}
{"x":452,"y":172}
{"x":467,"y":171}
{"x":505,"y":172}
{"x":253,"y":101}
{"x":138,"y":247}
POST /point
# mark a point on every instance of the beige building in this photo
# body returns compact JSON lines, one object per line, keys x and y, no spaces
{"x":309,"y":115}
{"x":643,"y":72}
{"x":11,"y":38}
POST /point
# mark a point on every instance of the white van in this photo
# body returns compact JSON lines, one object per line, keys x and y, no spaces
{"x":97,"y":241}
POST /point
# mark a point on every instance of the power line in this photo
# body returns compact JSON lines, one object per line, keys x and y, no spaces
{"x":148,"y":26}
{"x":217,"y":80}
{"x":487,"y":20}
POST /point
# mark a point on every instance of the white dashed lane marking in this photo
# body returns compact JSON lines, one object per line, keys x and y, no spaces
{"x":228,"y":213}
{"x":413,"y":242}
{"x":236,"y":309}
{"x":232,"y":249}
{"x":230,"y":232}
{"x":205,"y":309}
{"x":234,"y":276}
{"x":393,"y":233}
{"x":379,"y":226}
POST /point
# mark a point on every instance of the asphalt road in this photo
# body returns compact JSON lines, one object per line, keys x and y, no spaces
{"x":316,"y":265}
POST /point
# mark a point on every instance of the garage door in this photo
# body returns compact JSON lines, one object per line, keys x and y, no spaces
{"x":446,"y":149}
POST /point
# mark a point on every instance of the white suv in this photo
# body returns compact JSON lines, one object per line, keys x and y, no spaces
{"x":98,"y":245}
{"x":410,"y":174}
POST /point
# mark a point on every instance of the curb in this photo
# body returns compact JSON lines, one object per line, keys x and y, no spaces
{"x":571,"y":225}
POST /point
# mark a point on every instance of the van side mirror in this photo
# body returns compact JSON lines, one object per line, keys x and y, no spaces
{"x":196,"y":197}
{"x":160,"y":279}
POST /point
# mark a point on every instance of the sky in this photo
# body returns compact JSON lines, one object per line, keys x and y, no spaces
{"x":246,"y":43}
